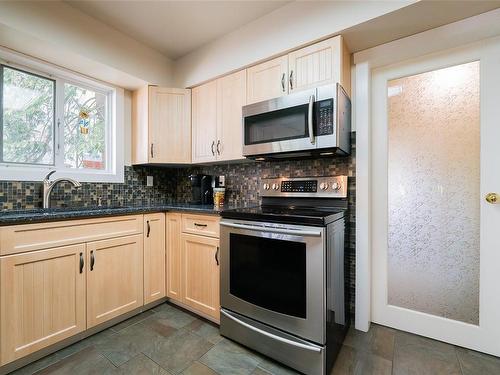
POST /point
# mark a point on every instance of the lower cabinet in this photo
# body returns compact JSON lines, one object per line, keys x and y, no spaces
{"x":154,"y":257}
{"x":174,"y":243}
{"x":114,"y":278}
{"x":200,"y":273}
{"x":42,"y":299}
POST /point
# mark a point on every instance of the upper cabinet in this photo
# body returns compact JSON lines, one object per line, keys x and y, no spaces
{"x":315,"y":65}
{"x":320,"y":64}
{"x":267,"y":80}
{"x":161,"y":126}
{"x":217,"y":113}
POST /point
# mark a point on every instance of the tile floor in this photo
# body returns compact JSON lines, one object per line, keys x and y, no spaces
{"x":168,"y":341}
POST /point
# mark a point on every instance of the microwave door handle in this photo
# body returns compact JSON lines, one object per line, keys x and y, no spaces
{"x":293,"y":232}
{"x":310,"y":119}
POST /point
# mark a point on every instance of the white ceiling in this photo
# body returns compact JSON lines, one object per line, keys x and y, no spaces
{"x":175,"y":28}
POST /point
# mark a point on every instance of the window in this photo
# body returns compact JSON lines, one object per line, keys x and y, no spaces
{"x":51,"y":121}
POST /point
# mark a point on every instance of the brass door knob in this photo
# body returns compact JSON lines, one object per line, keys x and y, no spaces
{"x":492,"y":198}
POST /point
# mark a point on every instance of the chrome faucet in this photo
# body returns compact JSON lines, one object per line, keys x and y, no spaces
{"x":48,"y":186}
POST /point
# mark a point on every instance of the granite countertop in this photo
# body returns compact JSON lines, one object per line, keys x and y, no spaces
{"x":56,"y":214}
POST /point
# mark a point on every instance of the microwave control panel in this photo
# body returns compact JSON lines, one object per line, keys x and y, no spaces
{"x":324,"y":120}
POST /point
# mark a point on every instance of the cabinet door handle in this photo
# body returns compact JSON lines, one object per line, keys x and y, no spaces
{"x":81,"y":263}
{"x":218,"y":147}
{"x":213,"y":151}
{"x":92,"y":260}
{"x":283,"y":82}
{"x":291,"y":80}
{"x":149,"y":229}
{"x":152,"y":151}
{"x":217,"y":255}
{"x":200,"y":225}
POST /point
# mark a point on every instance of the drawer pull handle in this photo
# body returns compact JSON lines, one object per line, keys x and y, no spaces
{"x":149,"y":229}
{"x":200,"y":225}
{"x":217,"y":255}
{"x":92,"y":260}
{"x":81,"y":263}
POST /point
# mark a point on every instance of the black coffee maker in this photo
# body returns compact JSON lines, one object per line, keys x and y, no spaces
{"x":201,"y":189}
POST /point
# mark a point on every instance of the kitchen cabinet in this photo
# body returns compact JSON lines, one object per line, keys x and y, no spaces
{"x":114,"y":278}
{"x":231,"y":97}
{"x":319,"y":64}
{"x":154,"y":257}
{"x":217,"y":114}
{"x":161,"y":126}
{"x":192,"y":263}
{"x":267,"y":80}
{"x":316,"y":65}
{"x":200,"y":274}
{"x":42,"y":299}
{"x":174,"y":229}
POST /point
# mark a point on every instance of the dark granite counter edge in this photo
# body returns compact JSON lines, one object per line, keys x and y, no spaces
{"x":40,"y":216}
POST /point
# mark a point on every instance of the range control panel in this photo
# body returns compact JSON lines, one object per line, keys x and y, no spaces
{"x":308,"y":187}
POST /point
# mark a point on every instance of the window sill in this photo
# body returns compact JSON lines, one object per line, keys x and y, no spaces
{"x":28,"y":173}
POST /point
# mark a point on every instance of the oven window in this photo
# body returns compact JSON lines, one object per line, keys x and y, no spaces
{"x":269,"y":273}
{"x":280,"y":125}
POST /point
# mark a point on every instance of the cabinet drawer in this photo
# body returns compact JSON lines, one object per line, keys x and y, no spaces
{"x":29,"y":237}
{"x":204,"y":225}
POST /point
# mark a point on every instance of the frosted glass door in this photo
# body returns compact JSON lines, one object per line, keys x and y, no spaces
{"x":433,"y":192}
{"x":435,"y":157}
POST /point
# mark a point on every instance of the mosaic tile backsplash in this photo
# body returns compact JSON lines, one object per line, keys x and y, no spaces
{"x":172,"y":185}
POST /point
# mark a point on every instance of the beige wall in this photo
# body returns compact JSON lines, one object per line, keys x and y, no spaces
{"x":58,"y":33}
{"x":286,"y":28}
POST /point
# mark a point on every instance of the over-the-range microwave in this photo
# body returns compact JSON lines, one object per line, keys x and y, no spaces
{"x":314,"y":122}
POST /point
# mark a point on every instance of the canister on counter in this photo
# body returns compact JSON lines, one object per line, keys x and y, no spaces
{"x":219,"y":196}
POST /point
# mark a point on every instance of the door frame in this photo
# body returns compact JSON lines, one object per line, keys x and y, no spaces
{"x":458,"y":34}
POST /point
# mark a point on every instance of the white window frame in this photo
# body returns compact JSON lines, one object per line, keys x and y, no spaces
{"x":114,"y":158}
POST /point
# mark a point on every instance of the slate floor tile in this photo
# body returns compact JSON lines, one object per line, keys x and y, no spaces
{"x":228,"y":358}
{"x":275,"y":368}
{"x":379,"y":340}
{"x":141,"y":365}
{"x":198,"y":368}
{"x":351,"y":361}
{"x":128,"y":343}
{"x":473,"y":363}
{"x":209,"y":332}
{"x":178,"y":351}
{"x":37,"y":365}
{"x":133,"y":320}
{"x":174,"y":317}
{"x":418,"y":355}
{"x":85,"y":362}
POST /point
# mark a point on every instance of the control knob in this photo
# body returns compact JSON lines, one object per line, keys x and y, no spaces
{"x":266,"y":186}
{"x":276,"y":186}
{"x":323,"y":186}
{"x":336,"y":186}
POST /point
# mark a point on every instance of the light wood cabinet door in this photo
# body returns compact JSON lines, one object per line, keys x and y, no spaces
{"x":161,"y":125}
{"x":231,"y":97}
{"x":200,"y":273}
{"x":204,"y":115}
{"x":42,"y":299}
{"x":169,"y":125}
{"x":319,"y":64}
{"x":174,"y":248}
{"x":154,"y":257}
{"x":267,"y":80}
{"x":114,"y":278}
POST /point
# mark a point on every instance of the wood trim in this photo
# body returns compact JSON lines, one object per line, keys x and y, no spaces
{"x":29,"y":237}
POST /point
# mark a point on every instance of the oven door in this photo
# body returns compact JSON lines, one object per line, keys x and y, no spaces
{"x":275,"y":274}
{"x":284,"y":124}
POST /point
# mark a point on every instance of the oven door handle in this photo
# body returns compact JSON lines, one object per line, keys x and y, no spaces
{"x":295,"y":232}
{"x":272,"y":336}
{"x":310,"y":113}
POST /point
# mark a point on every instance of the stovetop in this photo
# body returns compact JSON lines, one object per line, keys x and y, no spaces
{"x":287,"y":214}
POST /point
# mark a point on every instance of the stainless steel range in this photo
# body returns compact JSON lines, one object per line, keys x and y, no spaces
{"x":283,"y":277}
